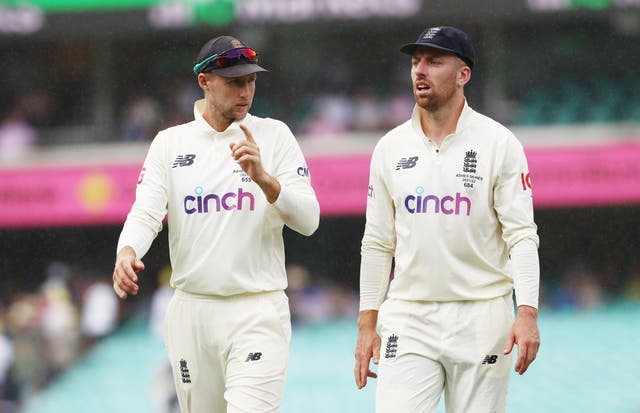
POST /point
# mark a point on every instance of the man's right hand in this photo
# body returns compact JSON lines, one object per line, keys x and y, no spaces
{"x":367,"y":348}
{"x":124,"y":274}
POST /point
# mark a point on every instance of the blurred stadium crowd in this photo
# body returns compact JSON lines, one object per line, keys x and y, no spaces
{"x":109,"y":87}
{"x":46,"y":331}
{"x":103,"y":87}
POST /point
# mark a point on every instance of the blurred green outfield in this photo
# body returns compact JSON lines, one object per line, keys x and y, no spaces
{"x":589,"y":362}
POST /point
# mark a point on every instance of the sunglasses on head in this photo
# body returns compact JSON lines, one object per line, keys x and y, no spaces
{"x":226,"y":59}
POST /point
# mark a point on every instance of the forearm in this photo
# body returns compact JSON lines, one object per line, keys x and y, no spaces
{"x":138,"y":235}
{"x":375,"y":269}
{"x":269,"y":186}
{"x":125,"y":251}
{"x":367,"y":319}
{"x":526,"y":273}
{"x":299,"y":208}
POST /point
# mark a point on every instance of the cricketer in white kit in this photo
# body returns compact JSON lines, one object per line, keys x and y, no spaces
{"x":228,"y":182}
{"x":450,"y":201}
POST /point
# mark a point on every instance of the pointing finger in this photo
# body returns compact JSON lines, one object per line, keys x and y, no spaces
{"x":247,"y":134}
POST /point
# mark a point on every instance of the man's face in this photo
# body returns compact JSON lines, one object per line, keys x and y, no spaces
{"x":434,"y":74}
{"x":230,"y":97}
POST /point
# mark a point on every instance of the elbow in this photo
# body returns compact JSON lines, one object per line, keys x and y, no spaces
{"x":314,"y":226}
{"x":312,"y":223}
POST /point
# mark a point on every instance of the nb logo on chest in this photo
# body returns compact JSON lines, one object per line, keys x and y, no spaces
{"x":184,"y":160}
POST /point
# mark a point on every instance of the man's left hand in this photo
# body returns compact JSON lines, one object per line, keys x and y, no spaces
{"x":524,"y":333}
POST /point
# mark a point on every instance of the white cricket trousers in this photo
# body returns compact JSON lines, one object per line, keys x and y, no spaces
{"x":229,"y":354}
{"x":455,"y":347}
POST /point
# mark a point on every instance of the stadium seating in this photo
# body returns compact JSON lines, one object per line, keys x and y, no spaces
{"x":581,"y":351}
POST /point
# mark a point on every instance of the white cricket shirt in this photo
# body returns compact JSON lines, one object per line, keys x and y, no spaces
{"x":448,"y":215}
{"x":224,"y":236}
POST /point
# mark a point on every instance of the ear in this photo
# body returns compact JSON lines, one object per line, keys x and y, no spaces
{"x":203,"y":81}
{"x":464,"y":75}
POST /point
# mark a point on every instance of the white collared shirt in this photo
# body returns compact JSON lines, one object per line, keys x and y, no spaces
{"x":448,"y":215}
{"x":224,"y":236}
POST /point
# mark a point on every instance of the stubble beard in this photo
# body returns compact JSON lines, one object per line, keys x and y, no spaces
{"x":228,"y":113}
{"x":436,"y":100}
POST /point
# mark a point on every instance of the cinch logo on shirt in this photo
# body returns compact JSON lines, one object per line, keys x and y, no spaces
{"x":448,"y":204}
{"x":303,"y":171}
{"x":202,"y":203}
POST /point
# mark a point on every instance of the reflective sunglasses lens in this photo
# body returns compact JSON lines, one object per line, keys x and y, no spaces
{"x":233,"y":56}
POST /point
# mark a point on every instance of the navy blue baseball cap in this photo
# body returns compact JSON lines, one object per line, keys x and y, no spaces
{"x":450,"y":39}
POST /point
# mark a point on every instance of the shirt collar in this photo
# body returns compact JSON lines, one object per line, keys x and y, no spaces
{"x":463,"y":121}
{"x":198,"y":110}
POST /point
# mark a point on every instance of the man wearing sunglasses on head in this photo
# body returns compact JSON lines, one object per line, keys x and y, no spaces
{"x":229,"y":182}
{"x":450,"y":201}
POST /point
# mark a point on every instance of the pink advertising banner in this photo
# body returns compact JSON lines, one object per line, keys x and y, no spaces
{"x":585,"y":176}
{"x":102,"y":195}
{"x":66,"y":196}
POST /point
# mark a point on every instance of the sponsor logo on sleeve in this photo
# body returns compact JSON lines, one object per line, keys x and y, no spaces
{"x":525,"y":179}
{"x":303,"y":171}
{"x":141,"y":176}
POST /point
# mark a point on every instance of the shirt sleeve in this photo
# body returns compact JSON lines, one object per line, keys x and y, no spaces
{"x":297,"y":203}
{"x":513,"y":200}
{"x":144,"y":220}
{"x":526,"y":272}
{"x":513,"y":203}
{"x":379,"y":240}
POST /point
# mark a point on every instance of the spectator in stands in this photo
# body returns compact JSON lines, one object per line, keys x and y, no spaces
{"x":631,"y":289}
{"x":398,"y":105}
{"x":331,"y":115}
{"x":99,"y":311}
{"x":368,"y":113}
{"x":141,"y":116}
{"x":59,"y":319}
{"x":17,"y":135}
{"x":315,"y":299}
{"x":30,"y":369}
{"x":160,"y":302}
{"x":7,"y":359}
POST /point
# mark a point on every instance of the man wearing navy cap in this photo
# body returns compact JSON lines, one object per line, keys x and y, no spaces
{"x":229,"y":182}
{"x":449,"y":200}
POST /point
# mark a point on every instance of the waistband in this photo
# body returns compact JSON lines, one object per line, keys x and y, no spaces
{"x":225,"y":298}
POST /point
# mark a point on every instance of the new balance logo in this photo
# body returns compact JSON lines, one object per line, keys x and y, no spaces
{"x":253,"y":357}
{"x":184,"y":371}
{"x":406,"y":163}
{"x":184,"y":160}
{"x":392,"y":347}
{"x":490,"y":359}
